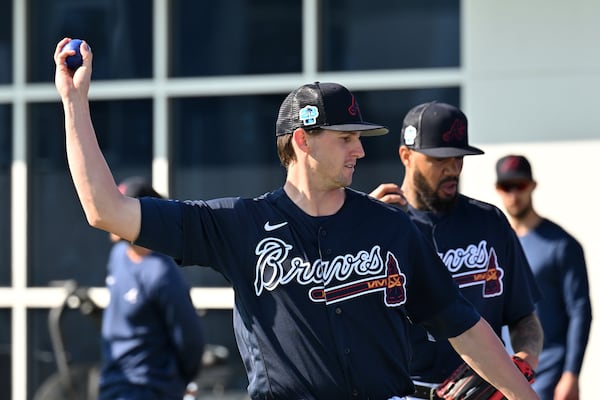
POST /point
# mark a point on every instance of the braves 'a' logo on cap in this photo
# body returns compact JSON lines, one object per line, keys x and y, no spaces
{"x":510,"y":164}
{"x":353,"y":109}
{"x":457,"y":131}
{"x":308,"y":115}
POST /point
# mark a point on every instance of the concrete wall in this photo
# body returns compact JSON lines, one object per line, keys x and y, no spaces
{"x":532,"y":79}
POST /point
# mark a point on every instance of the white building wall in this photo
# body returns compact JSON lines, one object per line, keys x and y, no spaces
{"x":532,"y":81}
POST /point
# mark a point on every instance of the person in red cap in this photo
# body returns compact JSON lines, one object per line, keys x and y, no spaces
{"x":558,"y":263}
{"x":474,"y":240}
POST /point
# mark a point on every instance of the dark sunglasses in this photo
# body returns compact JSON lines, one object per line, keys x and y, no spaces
{"x":510,"y":186}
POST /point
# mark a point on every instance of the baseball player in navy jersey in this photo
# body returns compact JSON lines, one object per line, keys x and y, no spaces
{"x":558,"y":263}
{"x":325,"y":277}
{"x":473,"y":239}
{"x":152,"y":337}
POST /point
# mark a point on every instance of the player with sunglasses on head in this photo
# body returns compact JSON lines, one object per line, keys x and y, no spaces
{"x":558,"y":263}
{"x":473,"y":238}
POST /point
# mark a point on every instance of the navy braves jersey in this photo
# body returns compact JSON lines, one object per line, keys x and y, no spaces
{"x":321,"y":303}
{"x":152,"y":337}
{"x":484,"y":257}
{"x":558,"y":263}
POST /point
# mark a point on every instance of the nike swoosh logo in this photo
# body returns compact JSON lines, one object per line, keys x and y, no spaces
{"x":268,"y":227}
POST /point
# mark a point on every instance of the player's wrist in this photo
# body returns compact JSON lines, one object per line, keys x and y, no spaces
{"x":532,"y":360}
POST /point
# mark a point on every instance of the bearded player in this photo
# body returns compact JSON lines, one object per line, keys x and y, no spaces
{"x":474,"y":240}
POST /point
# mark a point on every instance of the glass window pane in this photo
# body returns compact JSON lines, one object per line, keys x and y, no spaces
{"x":119,"y":32}
{"x":6,"y":43}
{"x":224,"y":146}
{"x":62,"y":244}
{"x":80,"y":345}
{"x":5,"y":203}
{"x":219,"y":141}
{"x":5,"y":354}
{"x":235,"y":37}
{"x":389,"y":34}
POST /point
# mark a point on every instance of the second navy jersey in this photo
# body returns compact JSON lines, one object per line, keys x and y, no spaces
{"x":152,"y":337}
{"x":483,"y":256}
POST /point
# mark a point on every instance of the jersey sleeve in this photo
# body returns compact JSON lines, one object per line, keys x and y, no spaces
{"x":577,"y":301}
{"x":193,"y":233}
{"x":161,"y":227}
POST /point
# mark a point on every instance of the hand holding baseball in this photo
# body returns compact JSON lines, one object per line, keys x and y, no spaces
{"x":76,"y":79}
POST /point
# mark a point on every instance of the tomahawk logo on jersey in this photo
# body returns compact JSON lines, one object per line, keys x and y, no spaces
{"x":475,"y":265}
{"x":378,"y":275}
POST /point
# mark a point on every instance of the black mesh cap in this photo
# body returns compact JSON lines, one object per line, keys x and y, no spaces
{"x":326,"y":106}
{"x":437,"y":130}
{"x":513,"y":168}
{"x":137,"y":187}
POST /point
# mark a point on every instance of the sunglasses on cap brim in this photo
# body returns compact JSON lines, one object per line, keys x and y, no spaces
{"x":510,"y":186}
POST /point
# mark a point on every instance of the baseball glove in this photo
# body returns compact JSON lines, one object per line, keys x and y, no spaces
{"x":465,"y":384}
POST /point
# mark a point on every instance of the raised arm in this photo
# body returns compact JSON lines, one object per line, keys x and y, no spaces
{"x":481,"y":348}
{"x":104,"y":206}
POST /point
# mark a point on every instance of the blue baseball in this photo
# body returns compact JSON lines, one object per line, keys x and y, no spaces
{"x":74,"y":61}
